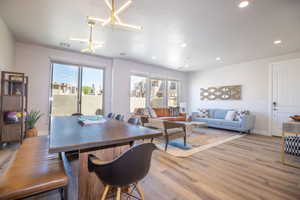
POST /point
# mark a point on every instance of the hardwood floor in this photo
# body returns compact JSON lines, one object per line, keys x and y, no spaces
{"x":243,"y":169}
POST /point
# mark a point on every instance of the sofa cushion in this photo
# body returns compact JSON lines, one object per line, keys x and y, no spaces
{"x":215,"y":121}
{"x":235,"y":124}
{"x":219,"y":114}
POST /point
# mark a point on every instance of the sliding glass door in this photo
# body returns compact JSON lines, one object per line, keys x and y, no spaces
{"x":92,"y":91}
{"x":76,"y":89}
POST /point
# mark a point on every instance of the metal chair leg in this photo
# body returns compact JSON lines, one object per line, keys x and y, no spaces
{"x":167,"y":142}
{"x":104,"y":194}
{"x":140,"y":191}
{"x":64,"y":193}
{"x":118,"y":194}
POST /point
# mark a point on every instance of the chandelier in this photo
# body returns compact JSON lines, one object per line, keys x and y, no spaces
{"x":91,"y":45}
{"x":114,"y":18}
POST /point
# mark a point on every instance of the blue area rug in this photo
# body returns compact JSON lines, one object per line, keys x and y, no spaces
{"x":180,"y":144}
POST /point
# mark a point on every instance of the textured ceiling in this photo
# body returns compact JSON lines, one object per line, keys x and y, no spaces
{"x":210,"y":28}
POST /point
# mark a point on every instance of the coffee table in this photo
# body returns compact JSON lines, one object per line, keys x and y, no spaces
{"x":189,"y":126}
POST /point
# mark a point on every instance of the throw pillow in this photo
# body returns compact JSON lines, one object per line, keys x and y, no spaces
{"x":203,"y":113}
{"x":151,"y":112}
{"x":240,"y":114}
{"x":230,"y":115}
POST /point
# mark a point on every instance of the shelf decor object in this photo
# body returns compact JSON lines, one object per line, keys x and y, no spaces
{"x":114,"y":18}
{"x":221,"y":93}
{"x":13,"y":106}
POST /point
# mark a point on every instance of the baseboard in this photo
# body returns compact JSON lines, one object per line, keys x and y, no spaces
{"x":261,"y":132}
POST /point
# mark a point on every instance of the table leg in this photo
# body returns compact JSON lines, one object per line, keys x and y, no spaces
{"x":282,"y":148}
{"x":89,"y":185}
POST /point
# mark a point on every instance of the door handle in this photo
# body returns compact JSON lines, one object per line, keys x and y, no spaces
{"x":274,"y":106}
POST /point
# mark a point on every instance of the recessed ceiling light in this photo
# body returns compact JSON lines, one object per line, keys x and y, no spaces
{"x":183,"y":45}
{"x":244,"y":4}
{"x":218,"y":59}
{"x":186,"y":65}
{"x":154,"y":58}
{"x":276,"y":42}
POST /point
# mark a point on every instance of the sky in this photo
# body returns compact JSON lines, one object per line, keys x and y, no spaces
{"x":69,"y":74}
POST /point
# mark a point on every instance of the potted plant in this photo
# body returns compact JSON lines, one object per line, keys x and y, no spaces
{"x":30,"y":122}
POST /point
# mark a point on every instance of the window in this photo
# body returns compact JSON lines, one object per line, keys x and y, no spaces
{"x":76,"y":89}
{"x":138,"y":92}
{"x":172,"y":93}
{"x":157,"y":93}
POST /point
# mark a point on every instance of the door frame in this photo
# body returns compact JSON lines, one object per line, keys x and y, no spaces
{"x":80,"y":66}
{"x":270,"y":100}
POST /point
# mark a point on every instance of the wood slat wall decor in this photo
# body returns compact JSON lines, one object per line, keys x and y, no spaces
{"x":221,"y":93}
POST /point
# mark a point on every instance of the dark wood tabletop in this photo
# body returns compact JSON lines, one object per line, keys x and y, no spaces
{"x":66,"y":134}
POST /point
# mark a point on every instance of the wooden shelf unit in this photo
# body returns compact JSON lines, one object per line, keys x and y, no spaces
{"x":13,"y":98}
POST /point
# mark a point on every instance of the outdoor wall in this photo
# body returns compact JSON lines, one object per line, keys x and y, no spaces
{"x":7,"y":47}
{"x":254,"y":78}
{"x":123,"y":69}
{"x":35,"y":62}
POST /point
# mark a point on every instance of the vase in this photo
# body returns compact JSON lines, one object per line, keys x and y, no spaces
{"x":31,"y":132}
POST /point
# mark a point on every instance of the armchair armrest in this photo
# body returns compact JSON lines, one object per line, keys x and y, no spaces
{"x":248,"y":122}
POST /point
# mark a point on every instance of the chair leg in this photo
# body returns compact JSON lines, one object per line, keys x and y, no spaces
{"x":104,"y":194}
{"x":140,"y":191}
{"x":61,"y":191}
{"x":118,"y":193}
{"x":167,"y":142}
{"x":131,"y":143}
{"x":184,"y":140}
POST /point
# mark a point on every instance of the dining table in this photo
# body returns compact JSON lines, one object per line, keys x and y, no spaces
{"x":107,"y":140}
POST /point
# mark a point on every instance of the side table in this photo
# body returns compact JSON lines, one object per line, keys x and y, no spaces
{"x":289,"y":127}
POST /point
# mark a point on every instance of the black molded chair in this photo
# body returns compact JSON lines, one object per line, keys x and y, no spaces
{"x":119,"y":117}
{"x":110,"y":115}
{"x":128,"y":169}
{"x":134,"y":120}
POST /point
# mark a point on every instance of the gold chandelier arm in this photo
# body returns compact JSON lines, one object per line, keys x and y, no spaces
{"x":98,"y":43}
{"x":79,"y":40}
{"x":97,"y":19}
{"x":85,"y":50}
{"x":98,"y":46}
{"x":130,"y":26}
{"x":123,"y":7}
{"x":108,"y":4}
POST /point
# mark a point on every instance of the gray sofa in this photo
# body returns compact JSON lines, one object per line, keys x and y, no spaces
{"x":216,"y":119}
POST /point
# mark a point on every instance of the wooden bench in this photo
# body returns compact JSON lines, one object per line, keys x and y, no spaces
{"x":32,"y":172}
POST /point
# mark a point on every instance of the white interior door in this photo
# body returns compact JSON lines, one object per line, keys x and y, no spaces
{"x":286,"y":93}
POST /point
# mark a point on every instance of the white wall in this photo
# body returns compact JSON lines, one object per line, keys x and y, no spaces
{"x":7,"y":47}
{"x":35,"y":62}
{"x":122,"y":71}
{"x":254,"y":78}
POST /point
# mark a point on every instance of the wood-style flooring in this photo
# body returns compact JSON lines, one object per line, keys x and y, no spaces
{"x":243,"y":169}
